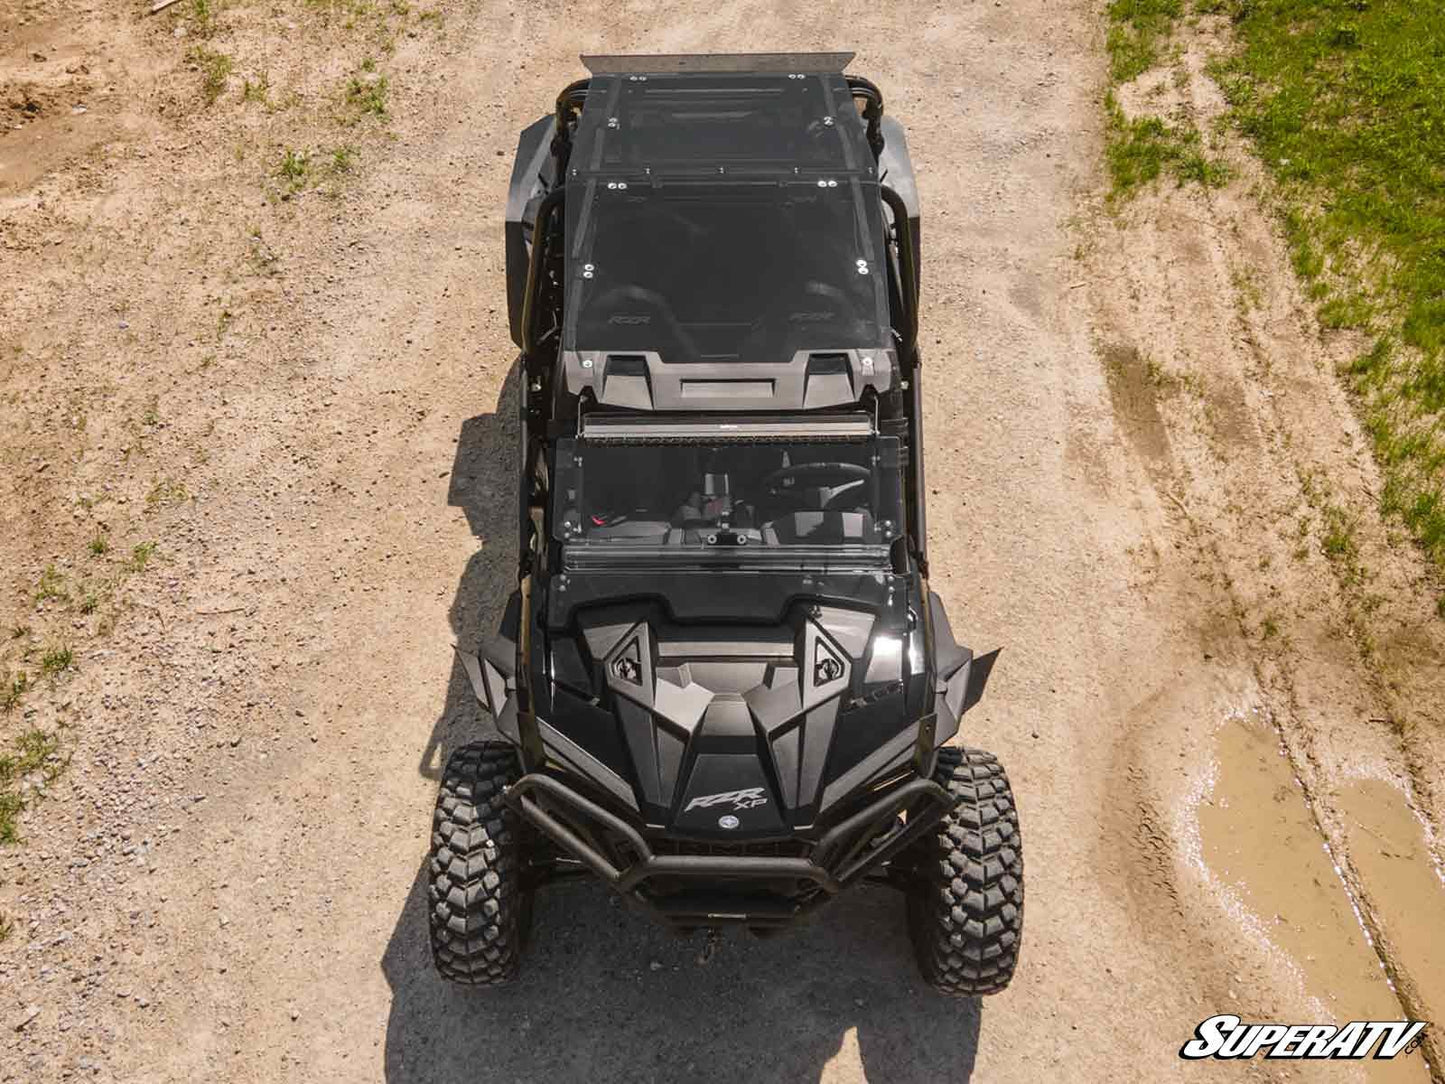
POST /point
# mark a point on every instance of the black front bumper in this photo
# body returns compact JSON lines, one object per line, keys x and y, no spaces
{"x":712,"y":888}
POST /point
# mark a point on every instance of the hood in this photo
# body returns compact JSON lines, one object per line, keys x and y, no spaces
{"x":737,"y":729}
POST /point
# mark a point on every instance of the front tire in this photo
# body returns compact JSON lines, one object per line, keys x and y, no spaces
{"x":966,"y":904}
{"x":479,"y":909}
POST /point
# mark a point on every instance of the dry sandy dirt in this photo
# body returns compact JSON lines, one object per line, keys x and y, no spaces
{"x":1224,"y":726}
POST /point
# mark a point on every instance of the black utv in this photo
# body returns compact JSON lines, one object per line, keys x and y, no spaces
{"x":723,"y":683}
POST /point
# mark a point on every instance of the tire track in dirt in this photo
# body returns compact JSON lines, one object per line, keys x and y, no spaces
{"x":1227,"y":390}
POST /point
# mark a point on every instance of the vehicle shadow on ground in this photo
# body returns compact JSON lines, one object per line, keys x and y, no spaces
{"x":606,"y":993}
{"x":483,"y":484}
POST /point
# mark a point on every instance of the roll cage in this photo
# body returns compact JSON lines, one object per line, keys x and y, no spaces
{"x":560,"y":386}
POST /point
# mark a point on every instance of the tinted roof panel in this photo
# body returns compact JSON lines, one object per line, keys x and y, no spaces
{"x":723,"y":216}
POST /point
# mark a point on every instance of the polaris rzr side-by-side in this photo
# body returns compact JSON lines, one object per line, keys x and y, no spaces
{"x":723,"y":684}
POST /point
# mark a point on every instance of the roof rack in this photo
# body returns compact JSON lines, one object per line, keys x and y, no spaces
{"x":679,"y":63}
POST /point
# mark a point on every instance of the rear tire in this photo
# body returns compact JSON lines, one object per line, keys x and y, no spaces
{"x":479,"y":910}
{"x":966,"y":904}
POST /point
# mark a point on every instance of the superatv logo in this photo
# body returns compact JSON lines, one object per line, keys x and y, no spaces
{"x":749,"y":798}
{"x":1225,"y":1036}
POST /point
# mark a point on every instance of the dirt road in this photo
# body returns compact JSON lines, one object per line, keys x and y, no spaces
{"x":1136,"y":456}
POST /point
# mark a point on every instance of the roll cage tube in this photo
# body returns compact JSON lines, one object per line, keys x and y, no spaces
{"x":907,"y":271}
{"x":908,"y":294}
{"x":550,"y":205}
{"x":866,"y":91}
{"x":568,"y":102}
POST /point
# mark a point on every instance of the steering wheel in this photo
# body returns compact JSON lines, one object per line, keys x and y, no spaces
{"x":840,"y":478}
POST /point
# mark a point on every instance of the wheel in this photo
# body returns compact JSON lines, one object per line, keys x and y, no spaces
{"x":480,"y":910}
{"x":966,"y":900}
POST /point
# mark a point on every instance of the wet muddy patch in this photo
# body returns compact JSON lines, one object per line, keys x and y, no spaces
{"x":1259,"y":841}
{"x":1390,"y":853}
{"x":1134,"y":382}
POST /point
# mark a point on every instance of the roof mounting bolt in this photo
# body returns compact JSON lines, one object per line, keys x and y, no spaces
{"x":832,"y":184}
{"x":611,"y":184}
{"x":586,"y":274}
{"x":622,"y":186}
{"x":827,"y":122}
{"x":822,"y":184}
{"x":586,"y":363}
{"x":866,"y":364}
{"x":612,"y":122}
{"x":862,"y":267}
{"x":589,"y":267}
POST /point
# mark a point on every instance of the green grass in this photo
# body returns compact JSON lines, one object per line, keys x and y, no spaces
{"x":1136,"y":30}
{"x":13,"y":690}
{"x":258,"y":90}
{"x":33,"y":750}
{"x":215,"y":70}
{"x":99,"y":544}
{"x":164,"y":493}
{"x":203,"y":16}
{"x":293,"y":169}
{"x":140,"y":557}
{"x":51,"y":587}
{"x":1345,"y":102}
{"x":343,"y":159}
{"x":367,"y":96}
{"x":1141,"y":150}
{"x":57,"y":659}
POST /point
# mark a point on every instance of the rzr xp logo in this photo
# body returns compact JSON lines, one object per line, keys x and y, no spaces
{"x":748,"y":798}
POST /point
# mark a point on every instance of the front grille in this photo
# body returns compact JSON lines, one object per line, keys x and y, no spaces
{"x":786,"y":848}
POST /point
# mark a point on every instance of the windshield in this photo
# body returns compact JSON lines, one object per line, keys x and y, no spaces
{"x":752,"y":497}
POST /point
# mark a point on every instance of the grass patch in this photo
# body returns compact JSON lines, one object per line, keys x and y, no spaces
{"x":343,"y":159}
{"x":99,"y":545}
{"x":203,"y":17}
{"x":51,"y":586}
{"x":1141,"y":150}
{"x":215,"y":69}
{"x":293,"y":170}
{"x":366,"y":93}
{"x":1345,"y":102}
{"x":13,"y":690}
{"x":34,"y":749}
{"x":257,"y":90}
{"x":1136,"y":29}
{"x":164,"y":493}
{"x":140,"y":557}
{"x":57,"y":660}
